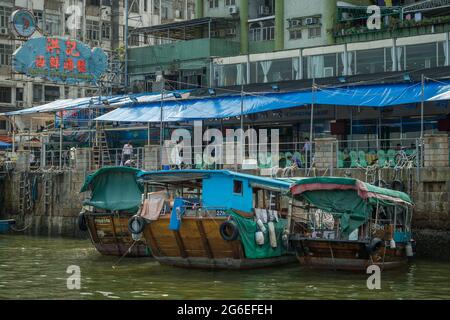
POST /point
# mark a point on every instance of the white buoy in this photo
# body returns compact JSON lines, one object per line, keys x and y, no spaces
{"x":261,"y":225}
{"x":409,"y":250}
{"x":392,"y":244}
{"x":259,"y":238}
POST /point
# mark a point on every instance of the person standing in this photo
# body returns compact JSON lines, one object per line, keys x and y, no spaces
{"x":127,"y":152}
{"x":307,"y":150}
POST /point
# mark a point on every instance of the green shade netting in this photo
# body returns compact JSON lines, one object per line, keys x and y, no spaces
{"x":248,"y":228}
{"x":114,"y":188}
{"x":344,"y":204}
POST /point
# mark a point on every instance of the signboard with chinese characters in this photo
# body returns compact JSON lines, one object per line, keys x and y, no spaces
{"x":61,"y":60}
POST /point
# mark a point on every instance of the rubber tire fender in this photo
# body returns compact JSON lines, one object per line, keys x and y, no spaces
{"x":81,"y":221}
{"x":374,"y":245}
{"x":140,"y":224}
{"x":229,"y":225}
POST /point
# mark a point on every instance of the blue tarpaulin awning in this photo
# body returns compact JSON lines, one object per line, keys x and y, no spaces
{"x":97,"y":101}
{"x":381,"y":95}
{"x":4,"y":145}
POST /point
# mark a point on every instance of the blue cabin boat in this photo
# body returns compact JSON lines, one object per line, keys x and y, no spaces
{"x":215,"y":219}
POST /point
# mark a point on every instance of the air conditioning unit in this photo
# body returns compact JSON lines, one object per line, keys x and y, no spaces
{"x":95,"y":43}
{"x":20,"y":104}
{"x":309,"y":21}
{"x":106,"y":13}
{"x":328,"y":72}
{"x":233,"y":10}
{"x":3,"y":30}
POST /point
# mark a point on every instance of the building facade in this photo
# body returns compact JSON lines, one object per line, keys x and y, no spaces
{"x":99,"y":23}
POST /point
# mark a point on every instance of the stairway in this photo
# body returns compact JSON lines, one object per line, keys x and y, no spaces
{"x":100,"y":151}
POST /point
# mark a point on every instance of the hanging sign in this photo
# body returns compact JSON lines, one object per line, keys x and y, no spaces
{"x":60,"y":59}
{"x":23,"y":23}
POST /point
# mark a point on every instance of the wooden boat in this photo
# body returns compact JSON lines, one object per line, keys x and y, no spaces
{"x":6,"y":225}
{"x":347,"y":224}
{"x":207,"y":219}
{"x":115,"y":197}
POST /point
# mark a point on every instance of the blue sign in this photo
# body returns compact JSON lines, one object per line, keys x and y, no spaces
{"x":23,"y":23}
{"x":60,"y":59}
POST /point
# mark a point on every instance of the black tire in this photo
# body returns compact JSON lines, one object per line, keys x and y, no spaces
{"x":397,"y":185}
{"x":374,"y":245}
{"x":229,"y":230}
{"x":136,"y":224}
{"x":82,"y":225}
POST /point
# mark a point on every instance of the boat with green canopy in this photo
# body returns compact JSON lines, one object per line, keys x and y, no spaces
{"x":115,"y":196}
{"x":347,"y":224}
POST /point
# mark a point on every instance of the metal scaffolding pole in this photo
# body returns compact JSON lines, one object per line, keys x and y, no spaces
{"x":161,"y":125}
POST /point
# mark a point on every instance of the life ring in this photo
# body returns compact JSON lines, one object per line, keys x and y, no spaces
{"x":136,"y":224}
{"x":82,"y":225}
{"x":374,"y":245}
{"x":229,"y":230}
{"x":397,"y":185}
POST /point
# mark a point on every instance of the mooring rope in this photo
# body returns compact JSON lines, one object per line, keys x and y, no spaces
{"x":23,"y":229}
{"x":123,"y":256}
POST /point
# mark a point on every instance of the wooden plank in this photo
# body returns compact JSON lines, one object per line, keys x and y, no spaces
{"x":180,"y":244}
{"x":114,"y":234}
{"x":153,"y":244}
{"x":204,"y":238}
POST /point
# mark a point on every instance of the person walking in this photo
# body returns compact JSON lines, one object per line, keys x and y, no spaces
{"x":127,"y":152}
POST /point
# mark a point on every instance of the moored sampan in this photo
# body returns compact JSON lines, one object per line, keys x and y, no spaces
{"x":214,"y":219}
{"x":115,"y":197}
{"x":347,"y":224}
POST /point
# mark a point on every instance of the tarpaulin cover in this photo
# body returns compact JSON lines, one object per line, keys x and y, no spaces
{"x":97,"y":101}
{"x":114,"y":188}
{"x":381,"y":95}
{"x":247,"y":229}
{"x":350,"y":199}
{"x":4,"y":145}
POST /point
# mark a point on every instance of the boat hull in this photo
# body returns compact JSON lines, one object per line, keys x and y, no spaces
{"x":198,"y":244}
{"x":346,"y":255}
{"x":110,"y":236}
{"x":5,"y":225}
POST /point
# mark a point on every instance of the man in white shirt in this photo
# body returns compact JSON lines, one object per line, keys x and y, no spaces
{"x":127,"y":152}
{"x":307,"y":150}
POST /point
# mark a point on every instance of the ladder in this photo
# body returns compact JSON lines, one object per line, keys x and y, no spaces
{"x":24,"y":193}
{"x":100,"y":151}
{"x":48,"y":192}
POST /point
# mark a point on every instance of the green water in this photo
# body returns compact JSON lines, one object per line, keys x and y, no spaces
{"x":35,"y":268}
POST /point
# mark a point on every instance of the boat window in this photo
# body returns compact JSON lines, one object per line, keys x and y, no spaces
{"x":237,"y":187}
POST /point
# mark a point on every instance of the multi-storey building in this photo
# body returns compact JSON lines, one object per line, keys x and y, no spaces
{"x":101,"y":24}
{"x":292,"y":43}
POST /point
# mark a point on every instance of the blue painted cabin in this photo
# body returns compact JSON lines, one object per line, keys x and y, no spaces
{"x":220,"y":188}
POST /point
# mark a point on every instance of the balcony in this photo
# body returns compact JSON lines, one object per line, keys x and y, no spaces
{"x":345,"y":33}
{"x":177,"y":52}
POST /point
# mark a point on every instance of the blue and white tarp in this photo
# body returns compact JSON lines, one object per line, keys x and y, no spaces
{"x":230,"y":106}
{"x":92,"y":102}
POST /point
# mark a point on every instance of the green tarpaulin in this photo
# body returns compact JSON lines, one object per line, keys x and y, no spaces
{"x":349,"y":199}
{"x":248,"y":228}
{"x":114,"y":188}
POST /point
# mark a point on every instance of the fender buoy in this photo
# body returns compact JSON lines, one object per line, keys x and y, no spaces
{"x":136,"y":224}
{"x":229,"y":230}
{"x":82,"y":225}
{"x":374,"y":245}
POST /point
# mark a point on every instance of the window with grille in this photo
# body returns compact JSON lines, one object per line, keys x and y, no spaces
{"x":5,"y":13}
{"x":5,"y":94}
{"x":92,"y":30}
{"x":315,"y":32}
{"x":5,"y":54}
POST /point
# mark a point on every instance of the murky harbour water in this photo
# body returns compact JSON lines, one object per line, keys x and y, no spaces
{"x":35,"y":268}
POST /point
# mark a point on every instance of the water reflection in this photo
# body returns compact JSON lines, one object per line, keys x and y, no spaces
{"x":36,"y":268}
